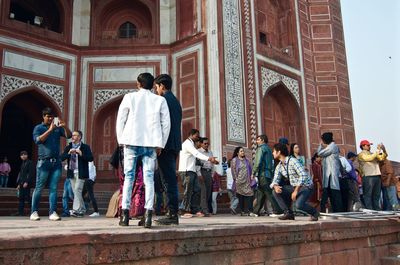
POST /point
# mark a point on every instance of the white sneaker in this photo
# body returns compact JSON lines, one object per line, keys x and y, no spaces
{"x":54,"y":217}
{"x":275,"y":215}
{"x":95,"y":214}
{"x":253,"y":215}
{"x":34,"y":216}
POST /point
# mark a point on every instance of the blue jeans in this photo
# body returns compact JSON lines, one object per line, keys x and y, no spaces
{"x":148,"y":156}
{"x":372,"y":192}
{"x":3,"y":181}
{"x":68,"y":194}
{"x":284,"y":199}
{"x":51,"y":171}
{"x":167,"y":165}
{"x":390,"y":198}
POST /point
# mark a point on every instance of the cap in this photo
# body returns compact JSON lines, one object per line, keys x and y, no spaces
{"x":365,"y":142}
{"x":350,"y":155}
{"x":283,"y":140}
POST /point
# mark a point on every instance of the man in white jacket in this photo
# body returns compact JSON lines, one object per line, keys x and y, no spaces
{"x":143,"y":126}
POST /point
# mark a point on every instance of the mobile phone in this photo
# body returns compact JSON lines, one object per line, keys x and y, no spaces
{"x":56,"y":121}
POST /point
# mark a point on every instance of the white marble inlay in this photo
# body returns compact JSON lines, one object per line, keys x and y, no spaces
{"x":102,"y":96}
{"x":81,"y":22}
{"x":168,"y":21}
{"x":120,"y":74}
{"x":33,"y":65}
{"x":270,"y":78}
{"x":11,"y":84}
{"x":233,"y":71}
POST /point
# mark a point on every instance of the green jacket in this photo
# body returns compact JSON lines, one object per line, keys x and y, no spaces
{"x":263,"y":162}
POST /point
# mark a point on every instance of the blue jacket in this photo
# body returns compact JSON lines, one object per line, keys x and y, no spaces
{"x":263,"y":162}
{"x":174,"y":141}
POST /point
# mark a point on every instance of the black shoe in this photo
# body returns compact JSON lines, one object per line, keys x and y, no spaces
{"x":148,"y":215}
{"x":142,"y":220}
{"x":124,"y":218}
{"x":314,"y":217}
{"x":169,"y":220}
{"x":287,"y":216}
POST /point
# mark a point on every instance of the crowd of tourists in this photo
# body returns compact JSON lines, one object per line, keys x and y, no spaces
{"x":277,"y":181}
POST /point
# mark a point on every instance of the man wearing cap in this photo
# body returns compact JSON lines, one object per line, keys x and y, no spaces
{"x":371,"y":174}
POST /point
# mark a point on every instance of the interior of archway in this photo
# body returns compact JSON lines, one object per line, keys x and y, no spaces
{"x":282,"y":117}
{"x":20,"y":115}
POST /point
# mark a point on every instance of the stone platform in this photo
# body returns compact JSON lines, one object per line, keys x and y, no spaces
{"x":221,"y":239}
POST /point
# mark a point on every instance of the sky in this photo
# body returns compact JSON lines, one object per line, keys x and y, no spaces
{"x":372,"y":36}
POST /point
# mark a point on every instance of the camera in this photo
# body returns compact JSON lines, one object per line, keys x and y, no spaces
{"x":56,"y":121}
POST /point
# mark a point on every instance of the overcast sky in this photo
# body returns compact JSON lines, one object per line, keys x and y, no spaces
{"x":372,"y":34}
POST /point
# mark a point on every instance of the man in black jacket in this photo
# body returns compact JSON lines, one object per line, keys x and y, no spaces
{"x":24,"y":181}
{"x":78,"y":156}
{"x":167,"y":157}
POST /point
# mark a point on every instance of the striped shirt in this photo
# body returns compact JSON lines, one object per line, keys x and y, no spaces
{"x":297,"y":175}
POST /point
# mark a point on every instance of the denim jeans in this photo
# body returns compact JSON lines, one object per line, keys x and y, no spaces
{"x":51,"y":172}
{"x":167,"y":165}
{"x":372,"y":192}
{"x":148,"y":156}
{"x":284,"y":199}
{"x":390,"y":196}
{"x":3,"y":181}
{"x":68,"y":194}
{"x":234,"y":201}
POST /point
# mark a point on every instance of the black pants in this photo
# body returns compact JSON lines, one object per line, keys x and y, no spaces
{"x":88,"y":187}
{"x":349,"y":192}
{"x":264,"y":193}
{"x":191,"y":195}
{"x":206,"y":190}
{"x":24,"y":196}
{"x":335,"y":198}
{"x":244,"y":203}
{"x":167,"y":164}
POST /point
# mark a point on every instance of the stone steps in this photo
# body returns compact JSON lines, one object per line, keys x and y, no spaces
{"x":394,"y":255}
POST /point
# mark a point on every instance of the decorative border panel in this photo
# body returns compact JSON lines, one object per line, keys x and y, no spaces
{"x":270,"y":78}
{"x":10,"y":84}
{"x":233,"y":71}
{"x":102,"y":96}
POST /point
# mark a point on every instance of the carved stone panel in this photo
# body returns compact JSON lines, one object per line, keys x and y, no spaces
{"x":102,"y":96}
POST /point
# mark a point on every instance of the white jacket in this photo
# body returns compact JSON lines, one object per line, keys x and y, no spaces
{"x":143,"y":120}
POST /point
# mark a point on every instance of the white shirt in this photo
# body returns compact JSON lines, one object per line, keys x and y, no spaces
{"x":143,"y":120}
{"x":345,"y":164}
{"x":188,"y":155}
{"x":229,"y":178}
{"x":92,"y":171}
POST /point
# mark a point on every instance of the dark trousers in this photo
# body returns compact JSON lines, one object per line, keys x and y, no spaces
{"x":206,"y":190}
{"x":335,"y":197}
{"x":264,"y":192}
{"x":349,"y":192}
{"x":167,"y":165}
{"x":191,"y":195}
{"x":284,"y":199}
{"x":24,"y":196}
{"x":88,"y":186}
{"x":244,"y":203}
{"x":372,"y":191}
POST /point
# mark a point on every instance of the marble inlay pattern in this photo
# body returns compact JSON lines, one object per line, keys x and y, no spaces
{"x":10,"y":84}
{"x":233,"y":71}
{"x":102,"y":96}
{"x":270,"y":78}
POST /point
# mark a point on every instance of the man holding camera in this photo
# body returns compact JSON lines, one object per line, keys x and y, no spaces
{"x":47,"y":136}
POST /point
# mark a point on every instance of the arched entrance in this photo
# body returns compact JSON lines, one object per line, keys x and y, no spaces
{"x":282,"y":116}
{"x":104,"y":129}
{"x":19,"y":115}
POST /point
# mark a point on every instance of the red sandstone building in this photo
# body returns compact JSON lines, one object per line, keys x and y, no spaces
{"x":240,"y":68}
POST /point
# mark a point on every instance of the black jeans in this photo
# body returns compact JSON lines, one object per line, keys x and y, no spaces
{"x":284,"y":199}
{"x":264,"y":193}
{"x":349,"y":192}
{"x":88,"y":186}
{"x":167,"y":165}
{"x":335,"y":198}
{"x":191,"y":195}
{"x":244,"y":203}
{"x":206,"y":190}
{"x":372,"y":191}
{"x":24,"y":196}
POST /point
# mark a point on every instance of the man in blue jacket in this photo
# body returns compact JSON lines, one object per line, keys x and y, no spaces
{"x":167,"y":158}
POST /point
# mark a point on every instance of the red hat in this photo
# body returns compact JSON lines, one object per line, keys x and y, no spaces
{"x":365,"y":142}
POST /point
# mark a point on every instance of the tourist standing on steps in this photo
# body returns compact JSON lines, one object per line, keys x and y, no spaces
{"x":48,"y":169}
{"x":168,"y":156}
{"x":5,"y":170}
{"x":78,"y":156}
{"x":206,"y":177}
{"x":24,"y":181}
{"x":143,"y":127}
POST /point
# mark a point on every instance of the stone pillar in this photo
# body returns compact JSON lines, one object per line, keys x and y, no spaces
{"x":167,"y":21}
{"x":213,"y":78}
{"x":81,"y":23}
